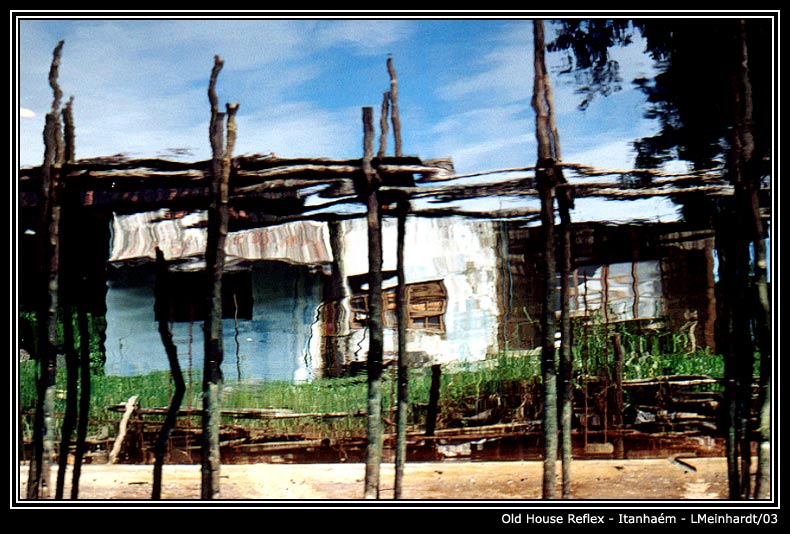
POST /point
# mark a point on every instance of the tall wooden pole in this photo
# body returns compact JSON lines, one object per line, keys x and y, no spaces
{"x":565,"y":203}
{"x":85,"y":397}
{"x":619,"y":448}
{"x":66,"y":291}
{"x":215,"y":264}
{"x":395,"y":107}
{"x":373,"y":452}
{"x":402,"y":299}
{"x":384,"y":123}
{"x":162,"y":313}
{"x":566,"y":354}
{"x":725,"y":342}
{"x":403,"y":366}
{"x":39,"y":486}
{"x":546,"y":188}
{"x":746,"y":179}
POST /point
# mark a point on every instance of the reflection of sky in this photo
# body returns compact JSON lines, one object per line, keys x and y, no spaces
{"x":464,"y":87}
{"x":464,"y":90}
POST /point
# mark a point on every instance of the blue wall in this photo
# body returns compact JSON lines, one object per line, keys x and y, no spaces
{"x":271,"y":346}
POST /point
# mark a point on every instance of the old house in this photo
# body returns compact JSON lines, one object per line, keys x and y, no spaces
{"x":649,"y":275}
{"x":294,"y":303}
{"x":473,"y":291}
{"x":273,"y":289}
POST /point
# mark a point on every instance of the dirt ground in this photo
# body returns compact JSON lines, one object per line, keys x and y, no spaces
{"x":651,"y":479}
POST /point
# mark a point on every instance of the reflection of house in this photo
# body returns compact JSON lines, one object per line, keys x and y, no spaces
{"x":473,"y":290}
{"x":271,"y":291}
{"x":622,"y":273}
{"x":451,"y":272}
{"x":273,"y":287}
{"x":294,"y":293}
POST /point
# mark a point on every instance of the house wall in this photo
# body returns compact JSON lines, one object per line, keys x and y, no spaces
{"x":459,"y":252}
{"x":282,"y":339}
{"x":273,"y":345}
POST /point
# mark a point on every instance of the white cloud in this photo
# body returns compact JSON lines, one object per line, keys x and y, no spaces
{"x":140,"y":86}
{"x":301,"y":129}
{"x":485,"y":138}
{"x":26,"y":113}
{"x":367,"y":37}
{"x":506,"y":76}
{"x":612,"y":155}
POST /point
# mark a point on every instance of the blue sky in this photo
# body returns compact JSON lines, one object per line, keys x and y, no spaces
{"x":465,"y":88}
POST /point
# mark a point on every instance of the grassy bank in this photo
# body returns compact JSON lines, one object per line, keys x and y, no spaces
{"x":507,"y":386}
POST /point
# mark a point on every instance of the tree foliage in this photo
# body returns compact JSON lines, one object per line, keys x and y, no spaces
{"x":713,"y":100}
{"x":586,"y":45}
{"x":692,"y":95}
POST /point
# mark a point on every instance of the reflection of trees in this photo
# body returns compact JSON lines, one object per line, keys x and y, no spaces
{"x":713,"y":101}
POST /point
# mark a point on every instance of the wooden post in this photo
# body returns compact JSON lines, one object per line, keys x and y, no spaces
{"x":762,"y":489}
{"x":749,"y":312}
{"x":384,"y":124}
{"x":403,"y":364}
{"x":66,"y":285}
{"x":433,"y":400}
{"x":395,"y":108}
{"x":619,"y":449}
{"x":373,"y":452}
{"x":746,"y":179}
{"x":215,"y":264}
{"x":85,"y":398}
{"x":585,"y":364}
{"x":735,"y":342}
{"x":635,"y":287}
{"x":546,"y":184}
{"x":47,"y":306}
{"x":548,"y":351}
{"x":566,"y":341}
{"x":72,"y":384}
{"x":336,"y":310}
{"x":161,"y":296}
{"x":565,"y":203}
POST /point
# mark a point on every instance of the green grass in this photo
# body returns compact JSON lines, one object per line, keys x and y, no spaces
{"x":647,"y":351}
{"x":335,"y":395}
{"x":506,"y":384}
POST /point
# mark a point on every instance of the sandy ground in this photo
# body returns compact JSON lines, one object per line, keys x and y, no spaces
{"x":449,"y":481}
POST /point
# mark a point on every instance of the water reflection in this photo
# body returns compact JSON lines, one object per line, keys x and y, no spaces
{"x":474,"y":291}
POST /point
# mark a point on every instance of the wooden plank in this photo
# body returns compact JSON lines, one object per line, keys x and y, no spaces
{"x":130,"y":406}
{"x":672,"y":381}
{"x":276,"y":446}
{"x":248,"y":413}
{"x":530,"y":427}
